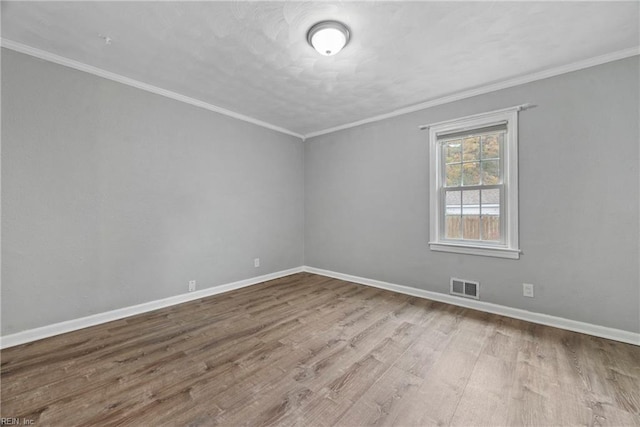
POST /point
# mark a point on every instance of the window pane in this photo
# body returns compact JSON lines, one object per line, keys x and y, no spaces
{"x":471,"y":148}
{"x":491,"y":197}
{"x":471,"y":173}
{"x":452,"y":222}
{"x":490,"y":172}
{"x":453,"y":199}
{"x":471,"y":215}
{"x":454,"y":173}
{"x":491,"y":146}
{"x":453,"y":151}
{"x":490,"y":211}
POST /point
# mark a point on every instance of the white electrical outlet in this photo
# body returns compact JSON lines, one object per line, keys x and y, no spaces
{"x":256,"y":262}
{"x":527,"y":290}
{"x":192,"y":285}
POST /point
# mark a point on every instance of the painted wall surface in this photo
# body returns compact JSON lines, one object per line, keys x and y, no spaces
{"x":367,"y":205}
{"x":113,"y":196}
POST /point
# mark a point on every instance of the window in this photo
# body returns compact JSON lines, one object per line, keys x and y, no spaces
{"x":474,"y":184}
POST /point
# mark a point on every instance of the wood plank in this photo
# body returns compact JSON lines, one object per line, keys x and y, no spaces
{"x":307,"y":350}
{"x":386,"y":402}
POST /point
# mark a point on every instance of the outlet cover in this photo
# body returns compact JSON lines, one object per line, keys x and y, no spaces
{"x":192,"y":285}
{"x":527,"y":290}
{"x":256,"y":262}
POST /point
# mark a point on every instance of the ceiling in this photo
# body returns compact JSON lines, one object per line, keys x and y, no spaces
{"x":253,"y":58}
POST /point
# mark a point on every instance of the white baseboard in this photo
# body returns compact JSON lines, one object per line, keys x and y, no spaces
{"x":530,"y":316}
{"x":97,"y":319}
{"x":108,"y":316}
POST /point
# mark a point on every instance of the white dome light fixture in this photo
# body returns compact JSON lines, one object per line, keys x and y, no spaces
{"x":328,"y":37}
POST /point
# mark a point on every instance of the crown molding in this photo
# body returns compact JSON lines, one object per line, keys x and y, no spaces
{"x":61,"y":60}
{"x":551,"y":72}
{"x":579,"y":65}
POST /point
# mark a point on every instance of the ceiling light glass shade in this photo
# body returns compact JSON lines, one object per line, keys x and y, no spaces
{"x":328,"y":37}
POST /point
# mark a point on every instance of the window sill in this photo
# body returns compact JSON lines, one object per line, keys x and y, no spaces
{"x":475,"y":250}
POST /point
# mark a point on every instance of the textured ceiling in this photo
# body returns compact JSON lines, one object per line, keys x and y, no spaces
{"x":253,"y":58}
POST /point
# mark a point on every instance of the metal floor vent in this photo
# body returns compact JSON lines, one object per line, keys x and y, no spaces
{"x":465,"y":288}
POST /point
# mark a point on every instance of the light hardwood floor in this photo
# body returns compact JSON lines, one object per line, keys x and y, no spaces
{"x":309,"y":350}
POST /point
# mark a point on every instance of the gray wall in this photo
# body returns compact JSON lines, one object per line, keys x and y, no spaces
{"x":113,"y":196}
{"x":367,"y":208}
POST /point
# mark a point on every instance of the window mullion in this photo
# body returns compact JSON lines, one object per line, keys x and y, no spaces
{"x":480,"y":233}
{"x":504,"y":238}
{"x":475,"y":187}
{"x":443,"y":194}
{"x":461,"y":216}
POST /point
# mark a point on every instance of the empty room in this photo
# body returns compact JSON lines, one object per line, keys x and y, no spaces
{"x":320,"y":213}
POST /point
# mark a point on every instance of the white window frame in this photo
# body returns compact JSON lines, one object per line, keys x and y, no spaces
{"x":509,"y":247}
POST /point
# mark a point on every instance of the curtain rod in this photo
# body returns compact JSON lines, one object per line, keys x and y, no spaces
{"x":514,"y":108}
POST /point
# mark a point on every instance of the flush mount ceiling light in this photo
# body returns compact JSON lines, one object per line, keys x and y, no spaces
{"x":328,"y":37}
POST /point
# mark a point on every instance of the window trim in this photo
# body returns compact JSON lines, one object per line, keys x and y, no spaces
{"x":510,"y":248}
